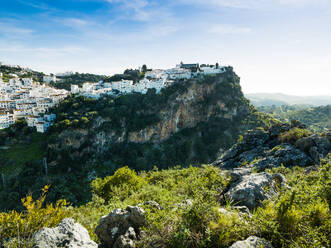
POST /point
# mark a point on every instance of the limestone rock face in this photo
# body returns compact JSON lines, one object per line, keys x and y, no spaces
{"x":120,"y":228}
{"x":316,"y":146}
{"x":67,"y":234}
{"x":186,"y":104}
{"x":249,"y":190}
{"x":252,"y":242}
{"x":286,"y":155}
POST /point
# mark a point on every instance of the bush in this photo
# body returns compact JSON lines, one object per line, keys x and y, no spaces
{"x":295,"y":220}
{"x":15,"y":226}
{"x":293,"y":135}
{"x":124,"y":182}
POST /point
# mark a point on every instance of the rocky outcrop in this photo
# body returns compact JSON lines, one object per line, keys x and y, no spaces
{"x":67,"y":234}
{"x":317,"y":146}
{"x":120,"y":228}
{"x":284,"y":154}
{"x":261,"y":149}
{"x":251,"y":189}
{"x":252,"y":242}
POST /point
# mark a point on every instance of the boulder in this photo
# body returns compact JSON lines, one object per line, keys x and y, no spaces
{"x":277,"y":129}
{"x":284,"y":154}
{"x":243,"y":151}
{"x":126,"y":240}
{"x":252,"y":242}
{"x":317,"y":146}
{"x":67,"y":234}
{"x":251,"y":189}
{"x":238,"y":173}
{"x":120,"y":228}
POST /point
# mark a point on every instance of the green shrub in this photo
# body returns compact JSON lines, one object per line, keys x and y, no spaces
{"x":123,"y":183}
{"x":301,"y":216}
{"x":293,"y":135}
{"x":19,"y":227}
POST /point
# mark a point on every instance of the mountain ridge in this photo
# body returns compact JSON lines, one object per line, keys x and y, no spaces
{"x":268,"y":99}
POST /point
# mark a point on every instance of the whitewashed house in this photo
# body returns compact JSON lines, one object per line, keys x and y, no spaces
{"x":27,"y":81}
{"x":49,"y":78}
{"x":6,"y":120}
{"x":212,"y":70}
{"x":42,"y":126}
{"x":33,"y":120}
{"x":74,"y":89}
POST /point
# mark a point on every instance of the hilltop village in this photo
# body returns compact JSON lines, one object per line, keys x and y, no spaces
{"x":152,"y":79}
{"x":24,"y":97}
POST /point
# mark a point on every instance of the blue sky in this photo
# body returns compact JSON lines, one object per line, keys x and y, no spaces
{"x":274,"y":45}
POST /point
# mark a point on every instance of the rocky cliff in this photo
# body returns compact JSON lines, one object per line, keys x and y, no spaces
{"x":189,"y":122}
{"x":197,"y":116}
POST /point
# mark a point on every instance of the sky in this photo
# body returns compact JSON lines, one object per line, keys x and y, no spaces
{"x":274,"y":45}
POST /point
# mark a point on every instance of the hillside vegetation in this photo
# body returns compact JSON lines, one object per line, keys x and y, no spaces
{"x":7,"y":70}
{"x":192,"y":213}
{"x":317,"y":119}
{"x":65,"y":82}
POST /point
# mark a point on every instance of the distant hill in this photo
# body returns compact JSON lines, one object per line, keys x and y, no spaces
{"x":278,"y":99}
{"x":317,"y":119}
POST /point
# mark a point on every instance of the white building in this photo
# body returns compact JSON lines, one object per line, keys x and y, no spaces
{"x":42,"y":126}
{"x":65,"y":74}
{"x":74,"y":89}
{"x":6,"y":120}
{"x":50,"y":78}
{"x":27,"y":81}
{"x":212,"y":70}
{"x":33,"y":120}
{"x":179,"y":73}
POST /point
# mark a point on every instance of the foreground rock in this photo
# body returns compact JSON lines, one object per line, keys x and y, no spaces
{"x":252,"y":242}
{"x":67,"y":234}
{"x":120,"y":228}
{"x":317,"y":146}
{"x":249,"y":189}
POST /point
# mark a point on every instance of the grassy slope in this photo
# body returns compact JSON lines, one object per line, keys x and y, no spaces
{"x":22,"y":153}
{"x":292,"y":220}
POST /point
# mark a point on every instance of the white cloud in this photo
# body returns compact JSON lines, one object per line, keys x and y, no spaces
{"x":75,"y":22}
{"x":143,"y":10}
{"x":229,"y":29}
{"x":137,"y":6}
{"x":254,"y":4}
{"x":13,"y":30}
